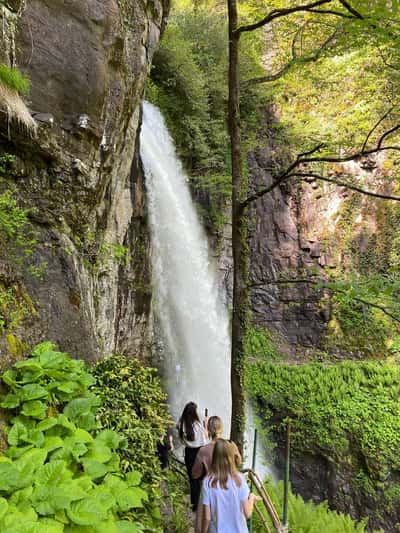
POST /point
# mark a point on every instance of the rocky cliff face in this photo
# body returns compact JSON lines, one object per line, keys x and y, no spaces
{"x":307,"y":231}
{"x":87,"y":62}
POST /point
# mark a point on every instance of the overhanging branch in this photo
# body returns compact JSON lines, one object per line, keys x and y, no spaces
{"x":294,"y":61}
{"x":345,"y":184}
{"x":278,"y":13}
{"x":310,"y":8}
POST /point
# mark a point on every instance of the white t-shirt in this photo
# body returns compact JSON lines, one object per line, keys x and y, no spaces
{"x":199,"y":436}
{"x":226,"y":506}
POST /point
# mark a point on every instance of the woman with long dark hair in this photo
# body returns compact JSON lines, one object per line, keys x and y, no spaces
{"x":193,"y":435}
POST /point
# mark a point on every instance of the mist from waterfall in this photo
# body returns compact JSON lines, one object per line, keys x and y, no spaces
{"x":188,"y":304}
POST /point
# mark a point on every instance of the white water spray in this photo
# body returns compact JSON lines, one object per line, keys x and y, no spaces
{"x":193,"y":321}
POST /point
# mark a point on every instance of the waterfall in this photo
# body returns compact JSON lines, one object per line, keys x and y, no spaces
{"x":188,"y":305}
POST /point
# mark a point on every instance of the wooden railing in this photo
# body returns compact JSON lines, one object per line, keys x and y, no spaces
{"x":259,"y":488}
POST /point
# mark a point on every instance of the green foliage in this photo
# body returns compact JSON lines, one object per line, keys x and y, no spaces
{"x":357,"y":329}
{"x":15,"y":232}
{"x":14,"y":308}
{"x":348,"y":412}
{"x":190,"y":89}
{"x":13,"y":79}
{"x":17,"y":243}
{"x":260,"y":345}
{"x":308,"y":517}
{"x":60,"y":473}
{"x":188,"y":83}
{"x":133,"y":404}
{"x":175,"y":506}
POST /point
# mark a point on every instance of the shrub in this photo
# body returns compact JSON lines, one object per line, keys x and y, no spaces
{"x":60,"y":473}
{"x":133,"y":404}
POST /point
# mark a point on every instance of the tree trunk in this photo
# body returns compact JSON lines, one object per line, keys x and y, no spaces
{"x":239,"y":237}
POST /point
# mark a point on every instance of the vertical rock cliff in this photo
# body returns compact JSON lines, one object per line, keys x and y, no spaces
{"x":87,"y":62}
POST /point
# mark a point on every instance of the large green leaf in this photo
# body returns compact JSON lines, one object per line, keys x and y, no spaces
{"x":80,"y":406}
{"x":3,"y":507}
{"x":94,"y":469}
{"x":15,"y":452}
{"x":52,"y":473}
{"x":18,"y":519}
{"x":52,"y":443}
{"x":33,"y":391}
{"x":10,"y":401}
{"x":29,"y":463}
{"x":50,"y":499}
{"x":48,"y":525}
{"x":131,"y":498}
{"x":87,"y":512}
{"x":47,"y":423}
{"x":114,"y":484}
{"x":10,"y":477}
{"x":10,"y":377}
{"x":129,"y":527}
{"x":64,"y":421}
{"x":20,"y":497}
{"x":133,"y":478}
{"x":36,"y":437}
{"x":110,"y":438}
{"x":108,"y":526}
{"x":17,"y":433}
{"x":99,"y":452}
{"x":28,"y":364}
{"x":35,"y":409}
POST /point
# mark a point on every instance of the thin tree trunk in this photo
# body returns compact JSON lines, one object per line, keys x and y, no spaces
{"x":239,"y":236}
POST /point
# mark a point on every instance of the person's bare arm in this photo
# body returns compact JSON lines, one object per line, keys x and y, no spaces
{"x":198,"y":469}
{"x":206,"y":519}
{"x":238,"y":457}
{"x":248,"y":505}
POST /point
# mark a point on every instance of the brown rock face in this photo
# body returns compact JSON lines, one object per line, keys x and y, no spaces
{"x":279,"y":252}
{"x":87,"y":62}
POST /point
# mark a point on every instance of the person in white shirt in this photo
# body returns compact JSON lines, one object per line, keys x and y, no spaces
{"x":193,"y":435}
{"x":226,"y":498}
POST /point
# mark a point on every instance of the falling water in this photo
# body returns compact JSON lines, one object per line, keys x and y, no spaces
{"x":193,"y":321}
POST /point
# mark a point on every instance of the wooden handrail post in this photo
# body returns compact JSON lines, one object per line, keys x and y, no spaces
{"x":285,"y":517}
{"x":253,"y":467}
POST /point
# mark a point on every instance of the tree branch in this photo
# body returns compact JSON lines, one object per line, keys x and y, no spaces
{"x":294,"y":61}
{"x":284,"y":176}
{"x":386,"y":134}
{"x":351,"y":10}
{"x":331,"y":12}
{"x":374,"y":128}
{"x":278,"y":13}
{"x":369,"y":304}
{"x":345,"y":184}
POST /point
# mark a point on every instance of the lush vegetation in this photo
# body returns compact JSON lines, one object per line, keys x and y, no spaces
{"x":308,"y":517}
{"x":13,"y":79}
{"x":347,"y":413}
{"x":188,"y":83}
{"x":17,"y":243}
{"x":133,"y":404}
{"x":61,"y":471}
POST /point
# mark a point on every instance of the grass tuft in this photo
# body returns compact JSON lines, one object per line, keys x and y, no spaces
{"x":14,"y":79}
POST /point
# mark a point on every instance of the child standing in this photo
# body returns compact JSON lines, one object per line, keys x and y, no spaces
{"x":226,"y":498}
